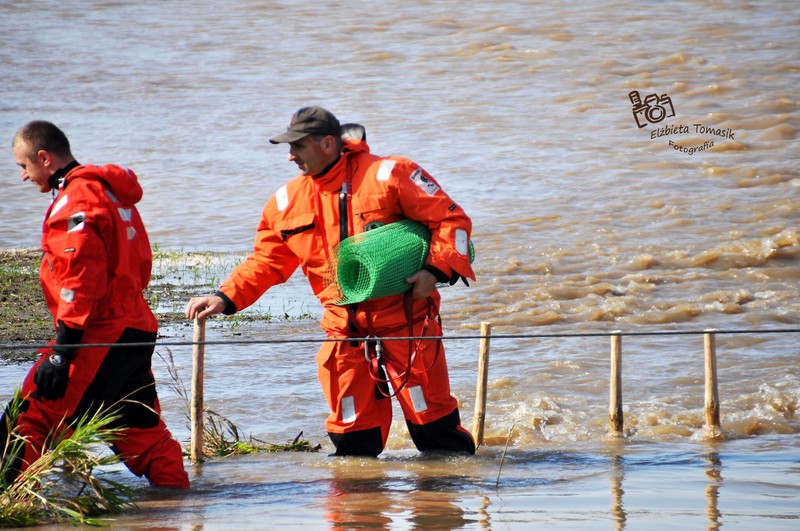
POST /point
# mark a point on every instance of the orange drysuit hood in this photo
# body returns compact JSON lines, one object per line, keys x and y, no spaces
{"x":122,"y":181}
{"x":354,"y":144}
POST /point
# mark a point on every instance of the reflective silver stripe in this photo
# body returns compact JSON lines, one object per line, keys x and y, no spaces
{"x":67,"y":295}
{"x":462,"y":242}
{"x":417,"y":399}
{"x":348,"y":409}
{"x":111,"y":196}
{"x":61,"y":202}
{"x":385,"y":170}
{"x":282,"y":198}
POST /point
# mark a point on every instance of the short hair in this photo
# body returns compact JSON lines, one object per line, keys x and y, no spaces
{"x":336,"y":138}
{"x":43,"y":135}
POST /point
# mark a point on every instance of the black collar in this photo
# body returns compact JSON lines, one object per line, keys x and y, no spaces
{"x":58,"y":177}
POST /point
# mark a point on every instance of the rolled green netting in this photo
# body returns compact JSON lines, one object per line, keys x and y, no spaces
{"x":377,"y":263}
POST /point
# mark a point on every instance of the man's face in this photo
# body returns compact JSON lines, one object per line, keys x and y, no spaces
{"x":35,"y":169}
{"x":310,"y":155}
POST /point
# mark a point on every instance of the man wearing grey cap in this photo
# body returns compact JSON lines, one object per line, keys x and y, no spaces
{"x":343,"y":190}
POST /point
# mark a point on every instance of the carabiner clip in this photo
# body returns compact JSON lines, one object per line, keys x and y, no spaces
{"x":366,"y":348}
{"x":377,"y":349}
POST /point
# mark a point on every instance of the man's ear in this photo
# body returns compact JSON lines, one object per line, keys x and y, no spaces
{"x":329,"y":144}
{"x":44,"y":157}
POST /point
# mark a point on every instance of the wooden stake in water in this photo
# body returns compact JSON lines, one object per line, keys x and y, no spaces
{"x":483,"y":378}
{"x":615,"y":386}
{"x":198,"y":354}
{"x":712,"y":392}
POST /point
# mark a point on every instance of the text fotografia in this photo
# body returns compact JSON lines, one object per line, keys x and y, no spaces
{"x":692,"y":150}
{"x":669,"y":130}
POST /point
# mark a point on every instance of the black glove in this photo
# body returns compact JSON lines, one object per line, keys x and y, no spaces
{"x":52,"y":376}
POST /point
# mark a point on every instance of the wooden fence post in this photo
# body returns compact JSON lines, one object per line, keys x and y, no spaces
{"x":198,"y":354}
{"x":615,"y":386}
{"x":712,"y":390}
{"x":483,"y":378}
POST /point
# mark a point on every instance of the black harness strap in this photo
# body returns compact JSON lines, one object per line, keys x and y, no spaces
{"x":373,"y":349}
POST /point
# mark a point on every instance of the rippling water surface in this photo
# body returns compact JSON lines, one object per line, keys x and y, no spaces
{"x":583,"y":222}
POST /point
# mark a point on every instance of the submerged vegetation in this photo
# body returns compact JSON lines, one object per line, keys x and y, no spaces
{"x":64,"y":483}
{"x":176,"y":277}
{"x":221,"y":437}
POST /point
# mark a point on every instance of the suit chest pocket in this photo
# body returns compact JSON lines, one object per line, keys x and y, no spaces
{"x":373,"y":211}
{"x":298,"y":232}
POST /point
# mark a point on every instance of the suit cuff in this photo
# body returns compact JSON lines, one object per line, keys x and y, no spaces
{"x":440,"y":275}
{"x":66,"y":336}
{"x":230,"y":307}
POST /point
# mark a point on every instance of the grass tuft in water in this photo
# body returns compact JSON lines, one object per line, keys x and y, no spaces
{"x":64,"y":484}
{"x":222,"y":438}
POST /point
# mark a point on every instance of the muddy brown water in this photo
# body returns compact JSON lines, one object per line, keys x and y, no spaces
{"x":583,"y":222}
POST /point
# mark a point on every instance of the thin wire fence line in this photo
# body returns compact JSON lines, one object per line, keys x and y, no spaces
{"x":717,"y":331}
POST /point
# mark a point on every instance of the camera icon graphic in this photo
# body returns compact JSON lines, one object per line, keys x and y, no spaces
{"x":653,"y":110}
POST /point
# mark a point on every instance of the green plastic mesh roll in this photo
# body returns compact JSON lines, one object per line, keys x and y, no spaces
{"x":377,"y":263}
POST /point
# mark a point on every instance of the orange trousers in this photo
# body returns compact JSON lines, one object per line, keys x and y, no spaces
{"x":361,"y":413}
{"x":100,"y":378}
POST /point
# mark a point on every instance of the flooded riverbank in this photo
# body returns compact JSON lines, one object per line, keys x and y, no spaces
{"x":591,"y":213}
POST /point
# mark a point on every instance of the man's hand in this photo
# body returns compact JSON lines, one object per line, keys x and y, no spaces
{"x":52,"y":375}
{"x":202,"y":307}
{"x":424,"y":282}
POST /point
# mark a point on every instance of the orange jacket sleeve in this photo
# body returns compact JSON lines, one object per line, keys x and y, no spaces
{"x":270,"y":263}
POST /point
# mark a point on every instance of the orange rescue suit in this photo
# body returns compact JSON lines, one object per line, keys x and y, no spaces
{"x":96,"y":264}
{"x":300,"y":225}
